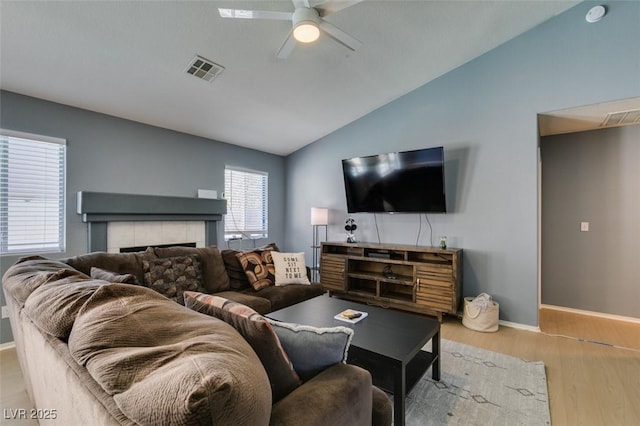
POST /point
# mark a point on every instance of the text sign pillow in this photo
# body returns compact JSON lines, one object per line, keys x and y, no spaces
{"x":290,"y":268}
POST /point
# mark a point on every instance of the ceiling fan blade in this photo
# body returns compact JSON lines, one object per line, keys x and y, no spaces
{"x":255,"y":14}
{"x":287,"y":47}
{"x":327,"y":7}
{"x":340,"y":36}
{"x":301,"y":3}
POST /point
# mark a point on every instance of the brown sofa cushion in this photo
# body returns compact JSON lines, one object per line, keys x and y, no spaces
{"x":112,"y":277}
{"x":340,"y":395}
{"x":213,"y":272}
{"x":186,"y":369}
{"x":53,"y":306}
{"x":237,"y":277}
{"x":172,"y":276}
{"x":258,"y":267}
{"x":257,"y":332}
{"x":120,"y":263}
{"x":30,"y":272}
{"x":382,"y":410}
{"x":252,"y":300}
{"x":281,"y":297}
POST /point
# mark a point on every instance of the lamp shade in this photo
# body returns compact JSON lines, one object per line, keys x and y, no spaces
{"x":319,"y":216}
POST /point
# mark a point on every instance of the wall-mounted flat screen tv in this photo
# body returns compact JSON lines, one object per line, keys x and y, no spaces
{"x":397,"y":182}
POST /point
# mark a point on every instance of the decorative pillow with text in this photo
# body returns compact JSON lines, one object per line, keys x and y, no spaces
{"x":290,"y":268}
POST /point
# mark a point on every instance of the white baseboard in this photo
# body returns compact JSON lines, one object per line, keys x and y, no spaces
{"x":519,"y":326}
{"x":8,"y":345}
{"x":591,"y":313}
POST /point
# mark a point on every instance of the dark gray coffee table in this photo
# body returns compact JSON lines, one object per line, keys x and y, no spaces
{"x":387,"y":343}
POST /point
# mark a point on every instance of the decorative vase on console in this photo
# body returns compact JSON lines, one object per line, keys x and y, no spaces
{"x":350,"y":227}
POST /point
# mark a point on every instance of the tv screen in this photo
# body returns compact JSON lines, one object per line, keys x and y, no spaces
{"x":402,"y":182}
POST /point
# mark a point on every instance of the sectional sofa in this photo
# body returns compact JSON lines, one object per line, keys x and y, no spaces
{"x":98,"y":345}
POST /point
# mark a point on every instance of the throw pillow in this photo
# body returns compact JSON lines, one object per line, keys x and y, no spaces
{"x":237,"y":277}
{"x":120,"y":263}
{"x":257,"y":332}
{"x":172,"y":276}
{"x":112,"y":277}
{"x":258,"y":267}
{"x":313,"y":349}
{"x":214,"y":275}
{"x":290,"y":268}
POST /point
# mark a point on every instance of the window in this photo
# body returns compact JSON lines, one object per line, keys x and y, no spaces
{"x":247,"y":212}
{"x":32,"y":193}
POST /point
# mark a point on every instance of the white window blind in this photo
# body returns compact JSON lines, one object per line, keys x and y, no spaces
{"x":247,"y":200}
{"x":32,"y":193}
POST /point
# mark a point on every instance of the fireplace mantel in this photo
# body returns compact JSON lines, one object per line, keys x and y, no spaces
{"x":99,"y":208}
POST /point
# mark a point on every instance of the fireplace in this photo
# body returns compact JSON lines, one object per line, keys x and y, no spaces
{"x":128,"y":220}
{"x":143,"y":248}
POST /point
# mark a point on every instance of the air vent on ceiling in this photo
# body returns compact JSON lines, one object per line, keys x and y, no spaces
{"x":204,"y":69}
{"x":622,"y":118}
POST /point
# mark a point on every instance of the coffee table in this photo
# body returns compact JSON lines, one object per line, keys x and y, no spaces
{"x":387,"y":343}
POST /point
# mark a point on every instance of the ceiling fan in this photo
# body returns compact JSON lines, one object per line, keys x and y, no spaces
{"x":307,"y":21}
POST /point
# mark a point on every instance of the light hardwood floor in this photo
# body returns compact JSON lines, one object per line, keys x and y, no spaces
{"x":12,"y":392}
{"x":589,"y":383}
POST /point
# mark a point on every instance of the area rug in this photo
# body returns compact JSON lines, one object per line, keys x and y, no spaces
{"x":480,"y":387}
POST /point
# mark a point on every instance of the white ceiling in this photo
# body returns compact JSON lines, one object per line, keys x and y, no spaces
{"x":128,"y":59}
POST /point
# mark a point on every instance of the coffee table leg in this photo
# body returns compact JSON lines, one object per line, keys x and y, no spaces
{"x":435,"y":349}
{"x":399,"y":389}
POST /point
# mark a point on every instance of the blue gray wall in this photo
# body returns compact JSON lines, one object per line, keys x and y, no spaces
{"x":109,"y":154}
{"x":484,"y":113}
{"x":592,"y":177}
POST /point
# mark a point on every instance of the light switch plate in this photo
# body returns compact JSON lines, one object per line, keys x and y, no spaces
{"x":584,"y":226}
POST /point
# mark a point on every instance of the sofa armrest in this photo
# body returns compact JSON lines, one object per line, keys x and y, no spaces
{"x":340,"y":395}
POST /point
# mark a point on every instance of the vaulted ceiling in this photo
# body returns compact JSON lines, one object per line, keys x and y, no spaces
{"x":129,"y":59}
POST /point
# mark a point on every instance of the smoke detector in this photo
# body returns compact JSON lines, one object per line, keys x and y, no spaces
{"x":595,"y":14}
{"x":204,"y":69}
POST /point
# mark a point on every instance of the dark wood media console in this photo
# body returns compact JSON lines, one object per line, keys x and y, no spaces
{"x":419,"y":279}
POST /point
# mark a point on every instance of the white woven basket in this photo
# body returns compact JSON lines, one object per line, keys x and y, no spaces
{"x":480,"y":320}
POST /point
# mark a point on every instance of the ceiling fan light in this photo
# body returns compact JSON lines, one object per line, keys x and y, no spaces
{"x":306,"y":32}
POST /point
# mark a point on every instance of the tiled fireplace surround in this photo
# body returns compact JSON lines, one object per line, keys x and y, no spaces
{"x":115,"y":221}
{"x":142,"y":234}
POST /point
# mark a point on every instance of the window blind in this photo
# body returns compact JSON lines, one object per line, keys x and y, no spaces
{"x":32,"y":193}
{"x":247,"y":200}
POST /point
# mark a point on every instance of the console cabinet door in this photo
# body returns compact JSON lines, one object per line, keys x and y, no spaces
{"x":435,"y":287}
{"x":332,"y":274}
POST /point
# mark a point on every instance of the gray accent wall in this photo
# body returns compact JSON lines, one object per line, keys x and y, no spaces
{"x":109,"y":154}
{"x":592,"y":177}
{"x":484,"y":113}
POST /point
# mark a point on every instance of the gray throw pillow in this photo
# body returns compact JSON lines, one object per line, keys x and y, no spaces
{"x":313,"y":349}
{"x":112,"y":277}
